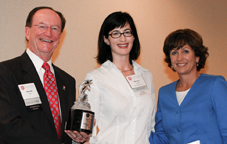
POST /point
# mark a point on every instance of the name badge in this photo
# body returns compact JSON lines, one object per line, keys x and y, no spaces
{"x":137,"y":83}
{"x":30,"y":96}
{"x":195,"y":142}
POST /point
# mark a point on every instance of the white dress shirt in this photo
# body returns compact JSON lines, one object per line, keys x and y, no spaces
{"x":122,"y":116}
{"x":38,"y":62}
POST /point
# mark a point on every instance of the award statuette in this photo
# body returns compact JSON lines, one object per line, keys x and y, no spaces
{"x":80,"y":116}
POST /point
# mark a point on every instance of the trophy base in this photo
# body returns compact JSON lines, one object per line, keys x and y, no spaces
{"x":80,"y":120}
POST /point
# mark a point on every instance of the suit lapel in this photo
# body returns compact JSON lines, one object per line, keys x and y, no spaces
{"x":62,"y":93}
{"x":30,"y":75}
{"x":192,"y":94}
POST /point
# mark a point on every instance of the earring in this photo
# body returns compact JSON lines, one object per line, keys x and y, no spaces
{"x":197,"y":64}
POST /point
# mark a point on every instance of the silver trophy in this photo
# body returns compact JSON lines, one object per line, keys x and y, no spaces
{"x":80,"y":116}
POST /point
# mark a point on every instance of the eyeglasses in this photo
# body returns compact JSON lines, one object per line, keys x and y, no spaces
{"x":43,"y":27}
{"x":117,"y":34}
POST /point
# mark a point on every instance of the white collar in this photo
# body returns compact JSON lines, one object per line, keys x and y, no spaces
{"x":108,"y":65}
{"x":37,"y":61}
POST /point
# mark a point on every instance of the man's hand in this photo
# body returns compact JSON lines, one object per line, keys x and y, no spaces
{"x":78,"y":137}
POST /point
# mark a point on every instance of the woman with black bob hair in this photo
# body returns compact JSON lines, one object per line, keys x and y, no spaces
{"x":122,"y":92}
{"x":192,"y":109}
{"x":115,"y":20}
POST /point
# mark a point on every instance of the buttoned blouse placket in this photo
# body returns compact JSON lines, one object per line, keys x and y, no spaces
{"x":132,"y":93}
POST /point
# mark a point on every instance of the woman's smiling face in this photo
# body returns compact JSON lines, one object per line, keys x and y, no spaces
{"x":120,"y":46}
{"x":183,"y":60}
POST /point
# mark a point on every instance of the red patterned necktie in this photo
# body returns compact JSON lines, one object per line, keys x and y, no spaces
{"x":52,"y":95}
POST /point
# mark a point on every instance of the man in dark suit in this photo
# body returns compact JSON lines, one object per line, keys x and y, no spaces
{"x":25,"y":108}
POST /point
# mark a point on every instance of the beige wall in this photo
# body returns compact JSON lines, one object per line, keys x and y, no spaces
{"x":154,"y":20}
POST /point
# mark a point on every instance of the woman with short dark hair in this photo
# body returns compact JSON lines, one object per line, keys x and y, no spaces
{"x":191,"y":110}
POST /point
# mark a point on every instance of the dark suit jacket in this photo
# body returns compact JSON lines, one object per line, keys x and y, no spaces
{"x":17,"y":124}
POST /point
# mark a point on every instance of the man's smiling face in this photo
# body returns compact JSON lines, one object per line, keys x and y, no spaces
{"x":43,"y":42}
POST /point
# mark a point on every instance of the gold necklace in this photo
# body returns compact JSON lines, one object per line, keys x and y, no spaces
{"x":126,"y":70}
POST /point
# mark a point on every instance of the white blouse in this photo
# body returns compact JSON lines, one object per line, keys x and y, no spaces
{"x":122,"y":116}
{"x":181,"y":95}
